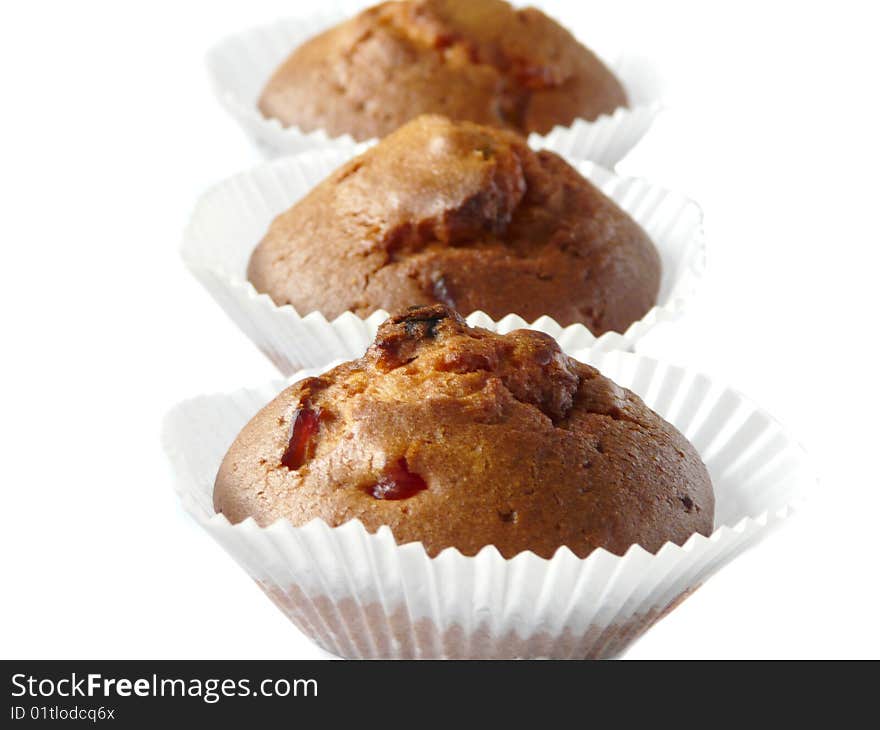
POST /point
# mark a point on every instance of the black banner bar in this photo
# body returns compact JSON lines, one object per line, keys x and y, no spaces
{"x":149,"y":693}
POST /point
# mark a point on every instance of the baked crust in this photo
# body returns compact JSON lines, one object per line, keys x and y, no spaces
{"x":476,"y":60}
{"x":463,"y":215}
{"x":514,"y":444}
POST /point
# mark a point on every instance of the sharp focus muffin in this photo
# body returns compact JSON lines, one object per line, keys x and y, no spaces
{"x":458,"y":437}
{"x":477,"y":60}
{"x":464,"y":215}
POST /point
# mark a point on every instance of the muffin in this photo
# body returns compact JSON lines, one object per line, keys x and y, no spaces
{"x":465,"y":215}
{"x":454,"y":436}
{"x":477,"y":60}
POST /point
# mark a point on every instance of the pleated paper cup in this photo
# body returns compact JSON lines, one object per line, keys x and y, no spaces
{"x":240,"y":66}
{"x":360,"y":595}
{"x":230,"y":219}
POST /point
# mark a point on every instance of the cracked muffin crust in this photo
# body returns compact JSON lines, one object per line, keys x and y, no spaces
{"x":464,"y":215}
{"x":477,"y":60}
{"x":458,"y":437}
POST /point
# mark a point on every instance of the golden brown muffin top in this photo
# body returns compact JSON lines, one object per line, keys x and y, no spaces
{"x":464,"y":215}
{"x":458,"y":437}
{"x":478,"y":60}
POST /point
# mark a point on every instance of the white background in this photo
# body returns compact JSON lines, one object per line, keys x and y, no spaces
{"x":109,"y":132}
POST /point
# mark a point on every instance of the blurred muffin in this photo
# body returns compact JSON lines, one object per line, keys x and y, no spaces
{"x":463,"y":215}
{"x":477,"y":60}
{"x":458,"y":437}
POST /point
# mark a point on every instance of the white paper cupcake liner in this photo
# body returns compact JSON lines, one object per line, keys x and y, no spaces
{"x":230,"y":219}
{"x":359,"y":594}
{"x":240,"y":66}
